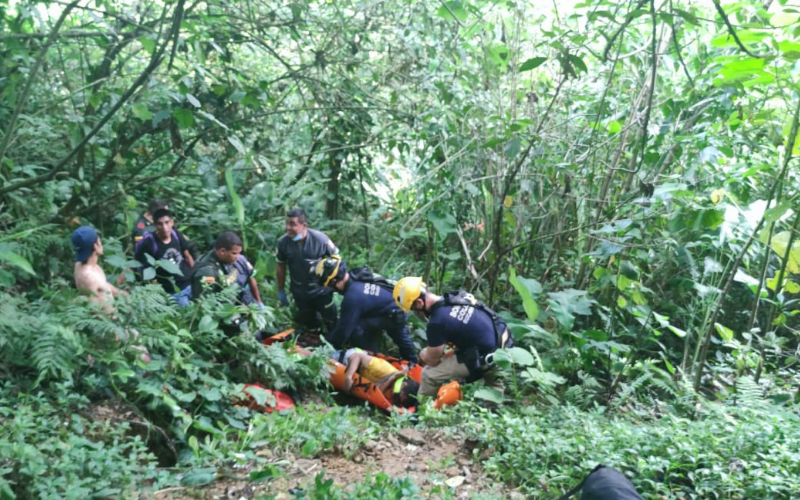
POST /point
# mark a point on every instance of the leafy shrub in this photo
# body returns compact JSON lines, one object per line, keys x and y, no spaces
{"x":49,"y":450}
{"x":728,"y":452}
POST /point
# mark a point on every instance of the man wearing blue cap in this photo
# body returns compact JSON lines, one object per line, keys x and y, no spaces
{"x":89,"y":276}
{"x":91,"y":280}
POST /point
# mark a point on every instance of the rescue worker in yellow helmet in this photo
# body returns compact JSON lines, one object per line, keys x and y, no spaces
{"x":459,"y":319}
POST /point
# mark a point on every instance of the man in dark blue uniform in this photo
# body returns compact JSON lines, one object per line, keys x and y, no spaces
{"x":367,"y":310}
{"x":297,"y":250}
{"x":473,"y":329}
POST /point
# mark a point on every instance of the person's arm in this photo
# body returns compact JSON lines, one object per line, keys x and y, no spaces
{"x":349,"y":315}
{"x":331,"y":249}
{"x":280,"y":274}
{"x":403,"y":340}
{"x":432,"y":356}
{"x":388,"y":381}
{"x":186,"y":246}
{"x":254,"y":289}
{"x":354,"y":362}
{"x":143,"y":248}
{"x":189,"y":259}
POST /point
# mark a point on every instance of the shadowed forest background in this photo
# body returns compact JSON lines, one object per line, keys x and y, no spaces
{"x":619,"y":178}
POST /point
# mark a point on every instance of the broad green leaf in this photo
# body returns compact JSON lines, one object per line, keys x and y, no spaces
{"x":621,"y":302}
{"x":17,"y":261}
{"x":778,"y":211}
{"x":780,"y":243}
{"x":788,"y":286}
{"x":687,"y":16}
{"x":782,"y":19}
{"x":452,"y":11}
{"x":193,"y":100}
{"x":494,"y":142}
{"x":235,"y":142}
{"x":489,"y":394}
{"x":512,"y":148}
{"x":199,"y":477}
{"x":790,"y":50}
{"x":147,"y":43}
{"x":444,"y":224}
{"x":141,"y":112}
{"x":211,"y":117}
{"x":184,"y":117}
{"x":520,"y":356}
{"x":237,"y":202}
{"x":724,"y":332}
{"x":259,"y":394}
{"x":96,"y":99}
{"x":148,"y":274}
{"x":677,"y":331}
{"x":614,"y":127}
{"x":577,"y":63}
{"x":160,"y":117}
{"x":169,"y":266}
{"x":310,"y":448}
{"x":499,"y":54}
{"x":532,"y":63}
{"x":741,"y":69}
{"x":525,"y":292}
{"x":212,"y":394}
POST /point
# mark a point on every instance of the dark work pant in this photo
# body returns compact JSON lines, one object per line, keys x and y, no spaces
{"x":310,"y":309}
{"x":369,"y":332}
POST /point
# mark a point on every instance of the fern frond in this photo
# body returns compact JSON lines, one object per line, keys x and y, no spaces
{"x":748,"y":392}
{"x":55,"y":352}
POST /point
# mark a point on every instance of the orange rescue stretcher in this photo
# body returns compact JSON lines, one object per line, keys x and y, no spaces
{"x":449,"y":394}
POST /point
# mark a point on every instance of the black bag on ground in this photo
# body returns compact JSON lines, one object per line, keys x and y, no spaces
{"x":605,"y":483}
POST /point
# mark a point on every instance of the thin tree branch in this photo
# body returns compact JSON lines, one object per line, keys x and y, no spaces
{"x":732,"y":31}
{"x":155,"y":61}
{"x":23,"y":98}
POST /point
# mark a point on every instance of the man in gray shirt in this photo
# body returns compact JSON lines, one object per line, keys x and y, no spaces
{"x":298,"y":249}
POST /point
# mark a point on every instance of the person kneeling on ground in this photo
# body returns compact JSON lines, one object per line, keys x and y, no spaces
{"x":393,"y":383}
{"x":367,"y":310}
{"x":456,"y":318}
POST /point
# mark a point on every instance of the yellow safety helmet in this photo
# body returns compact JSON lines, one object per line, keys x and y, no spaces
{"x":328,"y":270}
{"x":407,"y":290}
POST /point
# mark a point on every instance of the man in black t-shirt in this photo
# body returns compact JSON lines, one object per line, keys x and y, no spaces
{"x":167,"y":245}
{"x":300,"y":247}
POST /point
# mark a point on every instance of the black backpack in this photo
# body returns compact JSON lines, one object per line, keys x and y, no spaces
{"x":364,"y":274}
{"x":605,"y":483}
{"x":462,"y":298}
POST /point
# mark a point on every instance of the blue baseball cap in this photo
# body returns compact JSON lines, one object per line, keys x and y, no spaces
{"x":83,"y":239}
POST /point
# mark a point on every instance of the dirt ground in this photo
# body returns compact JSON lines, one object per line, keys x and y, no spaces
{"x":435,"y":463}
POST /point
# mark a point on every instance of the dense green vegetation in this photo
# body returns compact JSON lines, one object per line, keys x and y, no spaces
{"x":620,"y":179}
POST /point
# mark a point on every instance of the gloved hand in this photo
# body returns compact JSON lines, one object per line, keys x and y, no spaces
{"x":282,"y":300}
{"x":261,"y":305}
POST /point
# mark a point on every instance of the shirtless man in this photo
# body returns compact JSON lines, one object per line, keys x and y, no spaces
{"x":89,"y":276}
{"x":90,"y":279}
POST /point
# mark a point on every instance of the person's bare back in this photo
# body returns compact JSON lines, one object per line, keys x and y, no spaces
{"x":91,"y":280}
